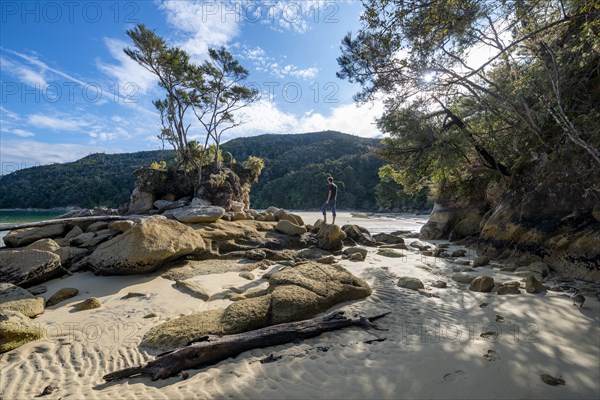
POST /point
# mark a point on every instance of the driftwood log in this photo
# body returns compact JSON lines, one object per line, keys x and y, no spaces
{"x":211,"y":349}
{"x":63,"y":220}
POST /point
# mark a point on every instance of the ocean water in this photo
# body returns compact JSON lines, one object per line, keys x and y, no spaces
{"x":10,"y":217}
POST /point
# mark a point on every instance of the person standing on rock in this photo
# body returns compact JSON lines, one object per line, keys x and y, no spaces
{"x":331,"y":199}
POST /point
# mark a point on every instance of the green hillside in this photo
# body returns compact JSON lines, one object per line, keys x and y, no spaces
{"x":296,"y":168}
{"x":95,"y":180}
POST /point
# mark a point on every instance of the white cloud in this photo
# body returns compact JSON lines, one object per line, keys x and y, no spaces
{"x":57,"y":124}
{"x":131,"y":77}
{"x":263,"y":63}
{"x":264,"y":117}
{"x":24,"y":74}
{"x":22,"y":133}
{"x":348,"y":118}
{"x":203,"y":24}
{"x":29,"y":153}
{"x":294,"y":16}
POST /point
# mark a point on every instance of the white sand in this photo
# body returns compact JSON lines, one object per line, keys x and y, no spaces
{"x":433,"y":348}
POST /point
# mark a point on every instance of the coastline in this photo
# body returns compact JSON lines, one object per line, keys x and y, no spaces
{"x":437,"y":346}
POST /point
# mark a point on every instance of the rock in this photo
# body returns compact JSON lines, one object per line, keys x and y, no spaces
{"x":17,"y":329}
{"x":192,"y":288}
{"x":390,"y":253}
{"x":197,"y":214}
{"x":532,"y":285}
{"x":312,"y":253}
{"x":37,"y":290}
{"x":481,"y":261}
{"x":23,"y":237}
{"x":502,"y":290}
{"x":236,"y":206}
{"x":357,"y":257}
{"x":359,"y":234}
{"x":458,"y":253}
{"x":331,"y":284}
{"x":349,"y":251}
{"x":97,"y":226}
{"x":326,"y":260}
{"x":121,"y":226}
{"x":267,"y":217}
{"x":26,"y":267}
{"x":454,"y":219}
{"x":146,"y":247}
{"x":409,"y":282}
{"x":197,"y":201}
{"x":283,"y":215}
{"x":82,"y":239}
{"x":330,"y":238}
{"x":289,"y":228}
{"x":427,"y":253}
{"x":439,"y":284}
{"x":247,"y":275}
{"x":14,"y":298}
{"x":509,"y":268}
{"x":539,"y":267}
{"x":87,"y":304}
{"x":462,"y":277}
{"x":271,"y":210}
{"x":387,"y":238}
{"x":516,"y":284}
{"x":164,"y":205}
{"x":44,"y":245}
{"x":462,"y":261}
{"x":69,"y":254}
{"x":482,"y":283}
{"x":420,"y":245}
{"x":62,"y":295}
{"x":140,"y":202}
{"x":294,"y":293}
{"x":238,"y":216}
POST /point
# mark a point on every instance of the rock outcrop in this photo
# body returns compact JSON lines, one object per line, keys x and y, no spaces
{"x":294,"y":293}
{"x":17,"y":330}
{"x":28,"y":267}
{"x":24,"y":237}
{"x":145,"y":247}
{"x":14,"y":298}
{"x":330,"y":237}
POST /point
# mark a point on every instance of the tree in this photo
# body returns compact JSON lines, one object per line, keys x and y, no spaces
{"x":177,"y":76}
{"x":223,"y":93}
{"x":214,"y":91}
{"x":529,"y":95}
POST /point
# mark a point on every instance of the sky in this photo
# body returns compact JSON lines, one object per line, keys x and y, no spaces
{"x":68,"y":90}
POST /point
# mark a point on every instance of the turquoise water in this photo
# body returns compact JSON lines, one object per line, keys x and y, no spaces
{"x":22,"y":216}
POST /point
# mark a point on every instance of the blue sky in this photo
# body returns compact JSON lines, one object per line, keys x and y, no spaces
{"x":68,"y":90}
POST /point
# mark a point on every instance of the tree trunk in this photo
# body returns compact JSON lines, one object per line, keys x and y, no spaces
{"x":63,"y":220}
{"x":211,"y":349}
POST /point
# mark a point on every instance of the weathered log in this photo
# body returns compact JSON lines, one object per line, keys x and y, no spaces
{"x":63,"y":220}
{"x":211,"y":349}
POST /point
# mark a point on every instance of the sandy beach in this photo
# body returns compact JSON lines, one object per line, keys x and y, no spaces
{"x":454,"y":344}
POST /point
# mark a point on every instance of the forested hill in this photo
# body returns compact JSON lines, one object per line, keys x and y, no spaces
{"x":296,"y":168}
{"x":95,"y":180}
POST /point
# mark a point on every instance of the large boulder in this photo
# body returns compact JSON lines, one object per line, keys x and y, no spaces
{"x":23,"y":237}
{"x":140,"y":202}
{"x":28,"y":267}
{"x":331,"y":284}
{"x":197,"y":214}
{"x":294,"y":294}
{"x":289,"y":228}
{"x":387,"y":238}
{"x":15,"y":298}
{"x":145,"y":247}
{"x":359,"y":234}
{"x":17,"y":330}
{"x":330,"y":237}
{"x":45,"y":245}
{"x":482,"y":283}
{"x":410,"y":282}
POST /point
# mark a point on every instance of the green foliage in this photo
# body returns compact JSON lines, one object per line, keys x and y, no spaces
{"x":296,"y":168}
{"x":159,"y":166}
{"x":255,"y":165}
{"x":95,"y":180}
{"x":454,"y":126}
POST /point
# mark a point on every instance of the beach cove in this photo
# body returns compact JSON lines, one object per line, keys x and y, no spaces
{"x":441,"y":342}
